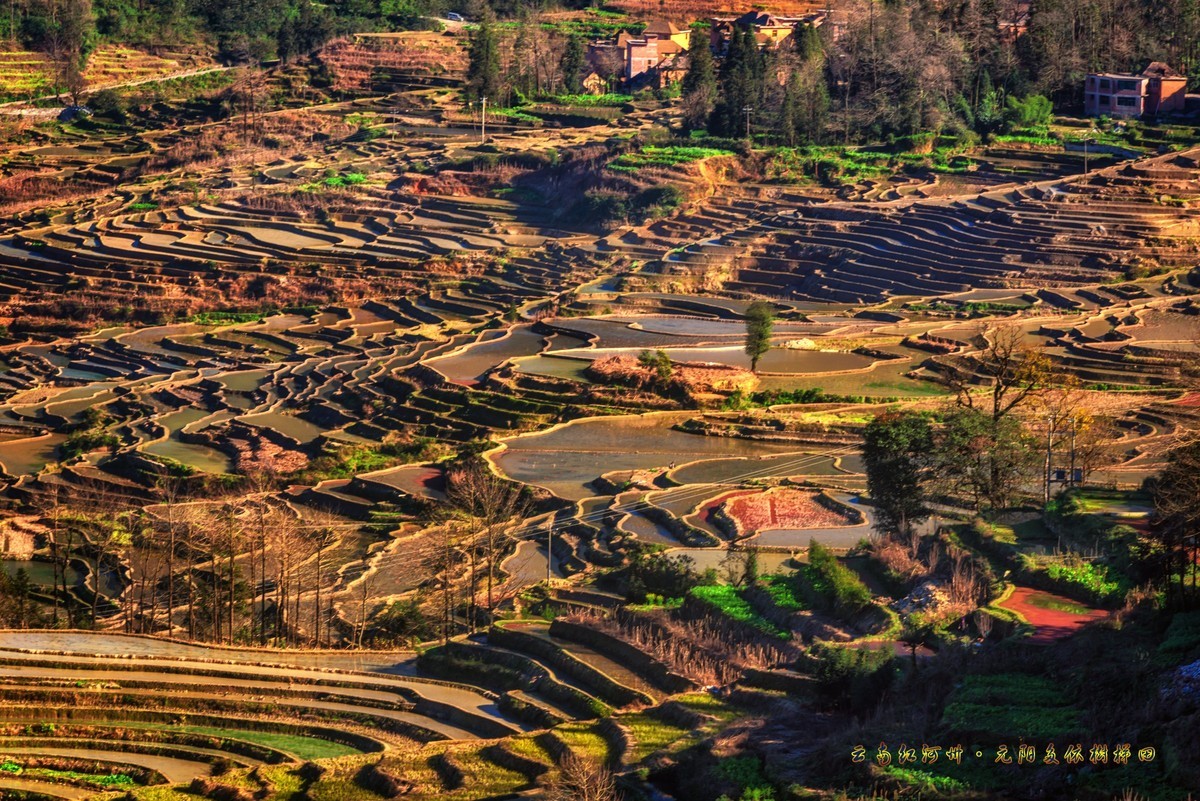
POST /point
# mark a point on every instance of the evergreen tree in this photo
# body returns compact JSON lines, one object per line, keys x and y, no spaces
{"x":741,"y":84}
{"x":573,"y":62}
{"x":760,"y":319}
{"x":699,"y":87}
{"x":483,"y":65}
{"x":989,"y":112}
{"x":897,"y":452}
{"x":807,"y":42}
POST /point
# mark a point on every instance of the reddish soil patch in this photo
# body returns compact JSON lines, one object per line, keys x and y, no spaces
{"x":624,"y":369}
{"x":783,"y":509}
{"x":1190,"y":399}
{"x":705,"y":512}
{"x":1049,"y":624}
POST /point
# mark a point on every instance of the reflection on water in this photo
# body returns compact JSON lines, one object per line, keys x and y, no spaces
{"x":28,"y":456}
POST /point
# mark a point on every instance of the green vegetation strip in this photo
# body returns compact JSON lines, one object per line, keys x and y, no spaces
{"x":670,"y":156}
{"x":298,"y":745}
{"x":728,"y":601}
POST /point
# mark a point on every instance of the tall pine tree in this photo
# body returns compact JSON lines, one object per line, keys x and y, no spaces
{"x":699,"y":88}
{"x":573,"y":62}
{"x":743,"y":85}
{"x":483,"y":66}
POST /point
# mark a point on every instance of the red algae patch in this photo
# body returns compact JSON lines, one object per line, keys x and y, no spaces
{"x":1053,"y":617}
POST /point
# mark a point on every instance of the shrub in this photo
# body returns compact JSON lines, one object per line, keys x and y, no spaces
{"x":833,"y":580}
{"x":1090,"y":577}
{"x":81,"y":442}
{"x":657,"y":574}
{"x":657,"y":201}
{"x":850,"y":677}
{"x":599,"y":207}
{"x":1182,"y":637}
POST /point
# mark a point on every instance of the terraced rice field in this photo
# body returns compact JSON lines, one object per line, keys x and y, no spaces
{"x":415,"y":312}
{"x":25,"y":74}
{"x":565,"y":460}
{"x":232,"y":690}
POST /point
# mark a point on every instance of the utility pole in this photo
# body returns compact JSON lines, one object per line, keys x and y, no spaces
{"x":1072,"y":477}
{"x":549,"y":553}
{"x":483,"y":123}
{"x":1049,"y":453}
{"x":746,"y":110}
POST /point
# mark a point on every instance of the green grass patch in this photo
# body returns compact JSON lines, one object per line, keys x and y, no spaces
{"x":348,"y":179}
{"x":1058,"y":604}
{"x":670,"y":156}
{"x":583,"y":740}
{"x":728,"y":601}
{"x":707,"y":704}
{"x":338,"y":788}
{"x":783,"y":592}
{"x":832,"y":165}
{"x":650,"y":734}
{"x":226,"y":317}
{"x":1027,"y":139}
{"x":924,"y":779}
{"x":516,"y":115}
{"x":589,"y":101}
{"x":1031,"y":722}
{"x":298,"y":745}
{"x":1006,"y":705}
{"x":113,"y":780}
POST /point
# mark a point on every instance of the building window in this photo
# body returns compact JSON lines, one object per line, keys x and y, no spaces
{"x":1105,"y":101}
{"x":1127,"y":86}
{"x":1126,"y":101}
{"x":1105,"y":84}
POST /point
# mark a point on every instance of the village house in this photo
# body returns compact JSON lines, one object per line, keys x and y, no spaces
{"x":655,"y":58}
{"x":1015,"y":23}
{"x":1156,"y":90}
{"x":770,"y":30}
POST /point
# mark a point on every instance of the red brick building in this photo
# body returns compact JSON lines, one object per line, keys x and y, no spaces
{"x":1156,"y":90}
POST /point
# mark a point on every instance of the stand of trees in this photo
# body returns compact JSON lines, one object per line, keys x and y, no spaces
{"x":901,"y":68}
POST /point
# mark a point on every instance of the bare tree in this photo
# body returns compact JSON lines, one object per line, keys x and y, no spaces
{"x":582,"y":779}
{"x":983,"y":624}
{"x":51,"y":509}
{"x":442,"y":560}
{"x":68,"y":45}
{"x":365,"y":584}
{"x":322,"y":537}
{"x":1011,"y":368}
{"x":289,"y":544}
{"x":486,"y":504}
